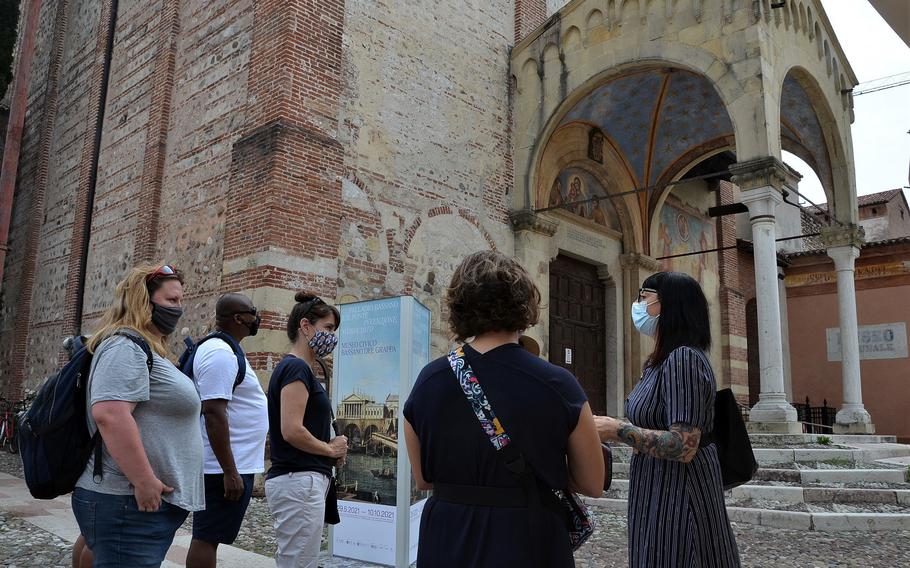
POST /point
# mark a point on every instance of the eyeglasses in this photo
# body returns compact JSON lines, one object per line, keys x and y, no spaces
{"x":642,"y":290}
{"x":251,"y":311}
{"x":164,"y":270}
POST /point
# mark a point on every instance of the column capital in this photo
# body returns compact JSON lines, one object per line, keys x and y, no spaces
{"x":850,"y":235}
{"x":763,"y":172}
{"x":527,"y":220}
{"x":762,"y":202}
{"x":638,"y":260}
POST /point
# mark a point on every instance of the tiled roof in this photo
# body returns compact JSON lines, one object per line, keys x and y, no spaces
{"x":873,"y":244}
{"x":863,"y":200}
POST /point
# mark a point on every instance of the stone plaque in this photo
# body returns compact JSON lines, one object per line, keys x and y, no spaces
{"x":882,"y":341}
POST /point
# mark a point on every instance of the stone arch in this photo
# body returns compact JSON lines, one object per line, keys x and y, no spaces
{"x":788,"y":16}
{"x":818,"y":40}
{"x":626,"y":13}
{"x":567,"y":148}
{"x":686,"y":58}
{"x":837,"y":178}
{"x":572,"y":39}
{"x":595,"y":18}
{"x":827,"y":52}
{"x":803,"y":22}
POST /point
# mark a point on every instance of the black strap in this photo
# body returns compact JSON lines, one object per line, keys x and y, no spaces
{"x":480,"y":495}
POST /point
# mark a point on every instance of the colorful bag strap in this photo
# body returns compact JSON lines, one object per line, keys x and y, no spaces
{"x":472,"y":390}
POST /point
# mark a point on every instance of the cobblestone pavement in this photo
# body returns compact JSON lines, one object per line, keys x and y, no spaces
{"x":24,"y":545}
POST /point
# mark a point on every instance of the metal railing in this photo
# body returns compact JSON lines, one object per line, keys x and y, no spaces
{"x":816,"y":419}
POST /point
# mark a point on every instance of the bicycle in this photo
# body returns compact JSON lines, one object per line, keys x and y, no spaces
{"x":8,"y":427}
{"x":9,"y":423}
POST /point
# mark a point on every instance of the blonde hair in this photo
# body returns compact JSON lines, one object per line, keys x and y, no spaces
{"x":131,"y":309}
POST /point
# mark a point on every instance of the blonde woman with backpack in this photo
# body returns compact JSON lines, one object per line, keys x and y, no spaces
{"x":150,"y":477}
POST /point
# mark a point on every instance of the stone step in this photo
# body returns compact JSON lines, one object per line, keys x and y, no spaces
{"x":865,"y":453}
{"x":825,"y":522}
{"x":784,"y":440}
{"x":815,"y":476}
{"x":786,"y":494}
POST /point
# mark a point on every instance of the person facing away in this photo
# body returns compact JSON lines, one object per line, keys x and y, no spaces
{"x":234,"y":425}
{"x":541,"y":406}
{"x":677,"y":517}
{"x":303,"y":448}
{"x":149,"y":425}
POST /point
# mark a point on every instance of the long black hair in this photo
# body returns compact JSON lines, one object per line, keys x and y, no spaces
{"x":683,"y":317}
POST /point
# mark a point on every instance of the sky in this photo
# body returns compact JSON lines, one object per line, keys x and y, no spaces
{"x":881,"y":143}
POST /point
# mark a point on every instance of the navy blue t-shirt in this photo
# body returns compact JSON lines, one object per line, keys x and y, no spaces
{"x":538,"y":404}
{"x":317,"y":418}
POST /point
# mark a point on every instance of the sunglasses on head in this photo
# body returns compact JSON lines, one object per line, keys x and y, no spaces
{"x":164,"y":270}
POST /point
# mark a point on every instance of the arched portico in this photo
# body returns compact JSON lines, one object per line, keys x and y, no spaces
{"x":669,"y":89}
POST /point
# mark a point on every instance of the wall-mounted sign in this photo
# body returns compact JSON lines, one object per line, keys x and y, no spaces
{"x":568,"y":356}
{"x":861,"y":273}
{"x":882,"y":341}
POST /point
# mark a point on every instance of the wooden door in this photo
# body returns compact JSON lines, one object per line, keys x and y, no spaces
{"x":578,"y":327}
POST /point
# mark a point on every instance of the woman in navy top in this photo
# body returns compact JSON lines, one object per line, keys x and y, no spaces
{"x":542,"y":407}
{"x":677,"y":517}
{"x":303,"y":450}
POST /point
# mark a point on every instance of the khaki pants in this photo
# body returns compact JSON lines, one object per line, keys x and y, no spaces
{"x":297,"y":503}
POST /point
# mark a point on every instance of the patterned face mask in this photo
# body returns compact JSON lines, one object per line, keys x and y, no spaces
{"x":323,"y":343}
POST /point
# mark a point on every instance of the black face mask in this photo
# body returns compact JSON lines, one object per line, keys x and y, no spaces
{"x":165,"y":319}
{"x":254,"y":326}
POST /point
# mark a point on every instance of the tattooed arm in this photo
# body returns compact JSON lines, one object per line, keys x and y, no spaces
{"x":679,"y":443}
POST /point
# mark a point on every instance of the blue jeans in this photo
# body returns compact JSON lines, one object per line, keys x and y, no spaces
{"x":119,"y":534}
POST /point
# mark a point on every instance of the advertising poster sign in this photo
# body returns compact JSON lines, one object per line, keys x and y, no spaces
{"x":383,"y":345}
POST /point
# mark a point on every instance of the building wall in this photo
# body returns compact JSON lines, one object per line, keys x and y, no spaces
{"x":812,"y":309}
{"x":427,"y":147}
{"x":423,"y":169}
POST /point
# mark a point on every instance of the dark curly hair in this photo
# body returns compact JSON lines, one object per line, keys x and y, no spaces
{"x":491,"y":292}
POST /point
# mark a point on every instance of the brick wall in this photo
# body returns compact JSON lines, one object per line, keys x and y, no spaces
{"x":264,"y":147}
{"x":734,"y":366}
{"x":427,"y":165}
{"x":530,"y":14}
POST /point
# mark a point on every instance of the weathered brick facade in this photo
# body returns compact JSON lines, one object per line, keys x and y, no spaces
{"x":259,"y":146}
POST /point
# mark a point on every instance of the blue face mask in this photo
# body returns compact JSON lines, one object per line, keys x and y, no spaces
{"x":644,"y":322}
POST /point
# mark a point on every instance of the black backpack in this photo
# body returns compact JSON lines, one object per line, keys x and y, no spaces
{"x":734,"y":449}
{"x":185,"y":363}
{"x":53,"y":436}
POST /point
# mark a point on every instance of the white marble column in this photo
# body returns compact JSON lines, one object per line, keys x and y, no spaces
{"x":761,"y":182}
{"x":843,"y":247}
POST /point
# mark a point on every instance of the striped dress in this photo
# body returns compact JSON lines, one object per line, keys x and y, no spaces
{"x":677,"y":517}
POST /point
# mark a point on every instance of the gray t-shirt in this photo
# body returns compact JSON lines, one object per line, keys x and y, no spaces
{"x":167,"y":414}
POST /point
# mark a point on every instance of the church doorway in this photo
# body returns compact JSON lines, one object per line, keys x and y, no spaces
{"x":578,"y":326}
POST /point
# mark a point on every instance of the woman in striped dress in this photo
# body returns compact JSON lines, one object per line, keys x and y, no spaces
{"x":677,"y":517}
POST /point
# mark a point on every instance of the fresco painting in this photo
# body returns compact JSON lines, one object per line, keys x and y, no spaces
{"x":575,"y":184}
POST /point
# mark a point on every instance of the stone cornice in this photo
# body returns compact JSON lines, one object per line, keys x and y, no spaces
{"x":763,"y":172}
{"x":638,"y":260}
{"x":841,"y":236}
{"x":527,"y":220}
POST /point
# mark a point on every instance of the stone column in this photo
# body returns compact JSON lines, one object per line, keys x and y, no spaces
{"x":762,"y":181}
{"x":843,"y":244}
{"x":635,"y":268}
{"x":534,"y":248}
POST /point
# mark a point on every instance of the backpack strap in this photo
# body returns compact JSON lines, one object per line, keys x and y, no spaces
{"x":97,"y":471}
{"x":235,"y":347}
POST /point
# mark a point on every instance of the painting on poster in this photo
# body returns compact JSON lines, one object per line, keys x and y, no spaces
{"x":383,"y":345}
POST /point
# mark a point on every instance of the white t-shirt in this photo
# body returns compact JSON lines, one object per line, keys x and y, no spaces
{"x":214,"y":369}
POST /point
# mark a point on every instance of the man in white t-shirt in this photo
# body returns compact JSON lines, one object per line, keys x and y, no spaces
{"x":234,"y":425}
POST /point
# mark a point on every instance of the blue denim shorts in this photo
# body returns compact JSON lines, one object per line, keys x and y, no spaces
{"x":220,"y":521}
{"x":121,"y":535}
